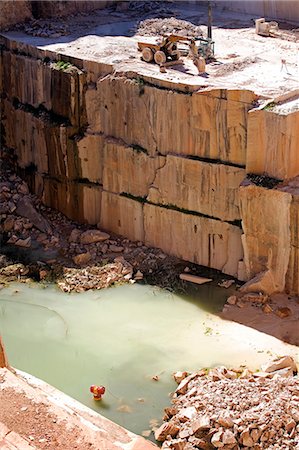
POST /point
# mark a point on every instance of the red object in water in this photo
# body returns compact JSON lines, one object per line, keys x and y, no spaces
{"x":97,"y":391}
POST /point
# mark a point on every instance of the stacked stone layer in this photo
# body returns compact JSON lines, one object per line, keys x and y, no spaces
{"x":156,"y":163}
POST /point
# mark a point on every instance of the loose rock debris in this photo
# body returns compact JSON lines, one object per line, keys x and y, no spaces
{"x":95,"y":277}
{"x":158,"y":27}
{"x":234,"y":409}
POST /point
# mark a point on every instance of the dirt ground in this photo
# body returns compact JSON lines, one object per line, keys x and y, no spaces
{"x":253,"y":315}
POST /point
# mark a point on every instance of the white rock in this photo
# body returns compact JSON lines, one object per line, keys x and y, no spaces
{"x":280,"y":363}
{"x":217,"y":439}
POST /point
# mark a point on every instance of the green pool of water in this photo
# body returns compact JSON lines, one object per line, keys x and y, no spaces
{"x":120,"y":338}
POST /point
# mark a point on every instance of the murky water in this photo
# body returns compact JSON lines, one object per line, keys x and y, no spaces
{"x":120,"y":338}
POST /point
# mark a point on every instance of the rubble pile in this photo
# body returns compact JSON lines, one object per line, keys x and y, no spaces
{"x":44,"y":244}
{"x":95,"y":277}
{"x":234,"y":409}
{"x":158,"y":27}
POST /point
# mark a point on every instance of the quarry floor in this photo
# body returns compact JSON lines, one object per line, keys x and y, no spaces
{"x":243,"y":59}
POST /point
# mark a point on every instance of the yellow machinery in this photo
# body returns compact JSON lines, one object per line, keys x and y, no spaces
{"x":166,"y":51}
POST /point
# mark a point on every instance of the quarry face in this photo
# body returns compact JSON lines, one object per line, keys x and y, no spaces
{"x":176,"y":159}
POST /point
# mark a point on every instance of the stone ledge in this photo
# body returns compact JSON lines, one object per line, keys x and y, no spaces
{"x":92,"y":430}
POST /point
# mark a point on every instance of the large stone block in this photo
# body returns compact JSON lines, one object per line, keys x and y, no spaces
{"x":201,"y":124}
{"x":78,"y":201}
{"x":40,"y":142}
{"x":206,"y":188}
{"x":27,"y":135}
{"x":128,"y":170}
{"x":273,"y":142}
{"x":204,"y":241}
{"x":266,"y":224}
{"x":90,"y":151}
{"x":123,"y":216}
{"x":36,"y":83}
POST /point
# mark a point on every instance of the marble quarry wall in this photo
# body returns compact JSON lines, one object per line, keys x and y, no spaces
{"x":174,"y":169}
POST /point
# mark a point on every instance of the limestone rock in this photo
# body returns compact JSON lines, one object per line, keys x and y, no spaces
{"x":210,"y":242}
{"x":280,"y":363}
{"x":179,"y":376}
{"x":228,"y":438}
{"x":26,"y":209}
{"x":123,"y":216}
{"x":216,"y":440}
{"x":266,"y":223}
{"x":262,"y":282}
{"x":166,"y":429}
{"x":207,"y":188}
{"x":254,"y":297}
{"x":188,"y":413}
{"x":214,"y":121}
{"x":232,"y":300}
{"x":283,"y":312}
{"x":74,"y":236}
{"x":23,"y":242}
{"x":93,"y":236}
{"x":116,"y":248}
{"x":82,"y":258}
{"x":128,"y":169}
{"x":272,"y":143}
{"x":203,"y":423}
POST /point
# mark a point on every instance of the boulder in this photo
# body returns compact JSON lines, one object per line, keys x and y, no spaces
{"x":82,"y":258}
{"x":26,"y":209}
{"x":280,"y":363}
{"x":166,"y":429}
{"x":74,"y":236}
{"x":92,"y":236}
{"x":24,"y":242}
{"x":262,"y":282}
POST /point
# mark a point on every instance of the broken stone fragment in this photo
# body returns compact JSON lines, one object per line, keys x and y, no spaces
{"x":186,"y":414}
{"x":203,"y":423}
{"x":228,"y":438}
{"x":166,"y":429}
{"x":246,"y":439}
{"x":226,"y":421}
{"x":232,"y":300}
{"x":216,"y":440}
{"x":179,"y":376}
{"x":116,"y":248}
{"x":194,"y":278}
{"x":8,"y":224}
{"x":92,"y":236}
{"x":26,"y":243}
{"x":283,"y":312}
{"x":138,"y":275}
{"x":26,"y":209}
{"x":82,"y":258}
{"x":23,"y":189}
{"x":74,"y":236}
{"x":226,"y":283}
{"x":183,"y":386}
{"x":262,"y":282}
{"x":254,"y":297}
{"x":280,"y":363}
{"x":267,"y":308}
